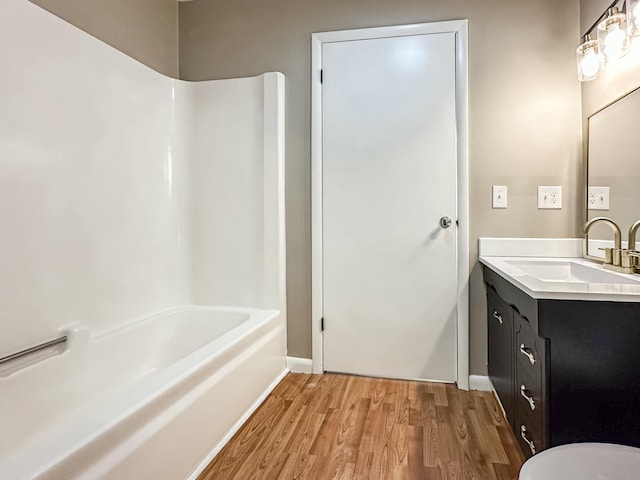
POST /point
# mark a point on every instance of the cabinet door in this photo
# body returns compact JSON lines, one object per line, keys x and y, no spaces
{"x":500,"y":337}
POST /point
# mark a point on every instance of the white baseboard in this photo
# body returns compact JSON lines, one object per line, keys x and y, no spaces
{"x":480,"y":382}
{"x":205,"y":463}
{"x":299,"y":365}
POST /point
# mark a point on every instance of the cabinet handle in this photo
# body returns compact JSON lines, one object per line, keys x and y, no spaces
{"x":498,"y":316}
{"x":523,"y":434}
{"x":523,"y":393}
{"x":527,"y":353}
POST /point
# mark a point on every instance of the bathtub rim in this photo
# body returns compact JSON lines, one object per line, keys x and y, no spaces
{"x":100,"y":334}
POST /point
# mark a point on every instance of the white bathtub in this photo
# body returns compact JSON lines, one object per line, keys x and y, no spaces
{"x":151,"y":399}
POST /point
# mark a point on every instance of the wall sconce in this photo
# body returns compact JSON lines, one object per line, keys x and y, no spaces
{"x":613,"y":29}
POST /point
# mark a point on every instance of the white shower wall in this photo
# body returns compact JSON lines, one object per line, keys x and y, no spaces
{"x":227,"y":212}
{"x":103,"y":182}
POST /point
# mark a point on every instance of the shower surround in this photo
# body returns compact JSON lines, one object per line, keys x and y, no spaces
{"x":124,"y":193}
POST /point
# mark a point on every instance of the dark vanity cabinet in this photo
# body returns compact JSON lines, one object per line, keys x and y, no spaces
{"x":565,"y":371}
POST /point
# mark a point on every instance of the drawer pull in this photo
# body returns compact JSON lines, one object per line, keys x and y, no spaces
{"x":523,"y":434}
{"x":498,"y":316}
{"x":523,"y":393}
{"x":527,"y":353}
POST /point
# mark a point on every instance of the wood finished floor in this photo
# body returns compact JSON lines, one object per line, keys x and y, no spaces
{"x":345,"y":427}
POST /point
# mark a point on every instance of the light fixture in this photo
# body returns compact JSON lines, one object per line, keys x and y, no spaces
{"x":613,"y":39}
{"x":589,"y":59}
{"x":633,"y":17}
{"x":612,"y":35}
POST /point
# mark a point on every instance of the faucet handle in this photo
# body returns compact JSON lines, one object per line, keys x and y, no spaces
{"x":608,"y":254}
{"x":626,"y":259}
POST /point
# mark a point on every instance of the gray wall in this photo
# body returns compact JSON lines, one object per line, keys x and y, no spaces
{"x":146,"y":30}
{"x":525,"y":125}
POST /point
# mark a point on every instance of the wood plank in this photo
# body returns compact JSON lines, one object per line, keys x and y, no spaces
{"x":342,"y":427}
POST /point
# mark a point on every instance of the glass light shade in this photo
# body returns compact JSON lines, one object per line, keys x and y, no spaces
{"x":612,"y":35}
{"x":633,"y":17}
{"x":589,"y":59}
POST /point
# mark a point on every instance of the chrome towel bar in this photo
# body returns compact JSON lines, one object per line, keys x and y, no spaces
{"x":29,"y":351}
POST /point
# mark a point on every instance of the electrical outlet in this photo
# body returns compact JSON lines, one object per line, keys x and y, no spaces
{"x":549,"y":197}
{"x":598,"y":198}
{"x":499,"y":195}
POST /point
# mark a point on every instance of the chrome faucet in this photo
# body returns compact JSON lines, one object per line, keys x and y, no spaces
{"x":612,"y":257}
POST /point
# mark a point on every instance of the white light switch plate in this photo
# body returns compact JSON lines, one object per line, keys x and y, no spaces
{"x":598,"y":198}
{"x":499,"y":195}
{"x":550,"y":197}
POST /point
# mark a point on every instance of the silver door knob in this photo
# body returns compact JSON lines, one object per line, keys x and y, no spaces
{"x":445,"y":222}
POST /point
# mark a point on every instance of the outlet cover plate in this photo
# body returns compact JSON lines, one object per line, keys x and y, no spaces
{"x":550,"y":197}
{"x":598,"y":198}
{"x":499,"y":196}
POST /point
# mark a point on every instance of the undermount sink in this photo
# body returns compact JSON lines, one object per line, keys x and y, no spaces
{"x":569,"y":271}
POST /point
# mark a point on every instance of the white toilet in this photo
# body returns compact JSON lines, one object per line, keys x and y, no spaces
{"x":584,"y":461}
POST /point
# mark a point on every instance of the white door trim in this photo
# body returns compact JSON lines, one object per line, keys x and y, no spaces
{"x":460,"y":28}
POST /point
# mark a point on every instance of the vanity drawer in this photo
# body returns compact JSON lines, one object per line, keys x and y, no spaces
{"x":530,"y":402}
{"x":530,"y":351}
{"x":528,"y":438}
{"x":513,"y":296}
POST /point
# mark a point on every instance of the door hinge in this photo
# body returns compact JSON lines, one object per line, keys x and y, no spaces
{"x":321,"y":75}
{"x":322,"y":324}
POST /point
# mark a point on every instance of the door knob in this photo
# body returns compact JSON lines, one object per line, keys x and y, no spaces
{"x":445,"y":222}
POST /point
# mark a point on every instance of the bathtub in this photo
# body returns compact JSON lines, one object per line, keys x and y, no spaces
{"x":153,"y":398}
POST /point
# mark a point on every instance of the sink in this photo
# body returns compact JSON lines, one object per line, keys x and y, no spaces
{"x":570,"y":271}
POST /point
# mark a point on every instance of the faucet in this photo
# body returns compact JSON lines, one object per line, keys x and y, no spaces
{"x":617,"y":241}
{"x":632,"y":235}
{"x":633,"y":253}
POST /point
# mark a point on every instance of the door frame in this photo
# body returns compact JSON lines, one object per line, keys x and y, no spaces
{"x":460,"y":29}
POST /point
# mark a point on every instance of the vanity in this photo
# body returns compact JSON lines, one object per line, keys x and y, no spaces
{"x":563,"y":344}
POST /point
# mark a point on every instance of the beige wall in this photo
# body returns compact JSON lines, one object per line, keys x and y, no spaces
{"x":146,"y":30}
{"x":524,"y":111}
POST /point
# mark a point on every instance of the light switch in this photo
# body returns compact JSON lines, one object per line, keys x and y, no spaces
{"x":499,"y":195}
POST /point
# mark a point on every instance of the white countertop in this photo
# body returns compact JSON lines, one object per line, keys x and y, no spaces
{"x":550,"y":253}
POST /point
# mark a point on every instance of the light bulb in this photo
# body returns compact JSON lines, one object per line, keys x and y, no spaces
{"x":614,"y":41}
{"x":612,"y":34}
{"x":590,"y":63}
{"x":589,"y":59}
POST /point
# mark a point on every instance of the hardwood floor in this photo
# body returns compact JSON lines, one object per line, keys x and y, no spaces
{"x":345,"y":427}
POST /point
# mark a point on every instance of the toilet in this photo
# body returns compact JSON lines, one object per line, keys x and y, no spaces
{"x":584,"y":461}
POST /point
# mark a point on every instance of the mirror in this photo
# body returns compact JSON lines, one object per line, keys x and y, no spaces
{"x":613,"y":150}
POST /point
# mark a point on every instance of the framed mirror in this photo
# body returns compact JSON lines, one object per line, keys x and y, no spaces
{"x":613,"y":169}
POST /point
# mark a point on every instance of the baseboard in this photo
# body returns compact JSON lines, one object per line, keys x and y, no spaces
{"x":480,"y":382}
{"x":200,"y":468}
{"x":299,"y":365}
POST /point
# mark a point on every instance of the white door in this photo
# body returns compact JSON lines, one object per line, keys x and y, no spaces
{"x":389,"y":175}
